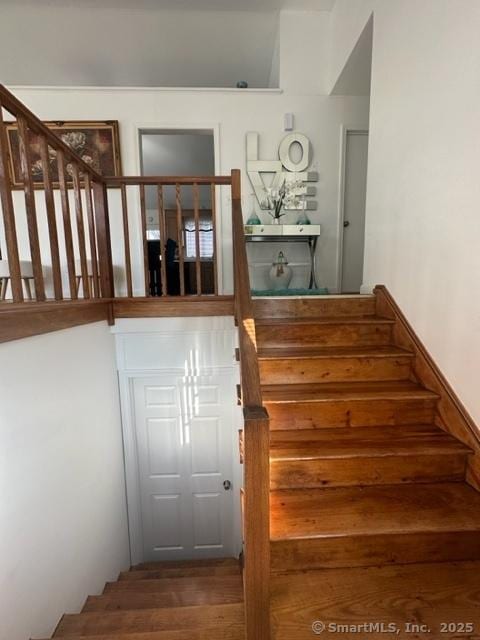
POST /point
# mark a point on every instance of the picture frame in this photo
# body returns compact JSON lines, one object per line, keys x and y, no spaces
{"x":96,"y":142}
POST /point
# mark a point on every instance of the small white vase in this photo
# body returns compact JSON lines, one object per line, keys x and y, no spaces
{"x":280,"y":273}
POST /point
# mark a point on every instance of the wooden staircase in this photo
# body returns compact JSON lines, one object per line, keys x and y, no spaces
{"x":361,"y":475}
{"x":198,"y":600}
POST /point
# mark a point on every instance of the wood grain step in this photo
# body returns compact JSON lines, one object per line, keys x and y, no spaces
{"x":344,"y":305}
{"x":176,"y":585}
{"x":322,"y":332}
{"x":365,"y":526}
{"x":333,"y":364}
{"x":364,"y":456}
{"x":178,"y":572}
{"x":421,"y":593}
{"x":307,"y":406}
{"x":148,"y":620}
{"x":126,"y":600}
{"x":232,"y":631}
{"x":185,"y":564}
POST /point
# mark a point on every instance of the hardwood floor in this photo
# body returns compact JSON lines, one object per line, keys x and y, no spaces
{"x":371,"y":517}
{"x":198,"y":600}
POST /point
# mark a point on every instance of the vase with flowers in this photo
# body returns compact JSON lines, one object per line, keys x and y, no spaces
{"x":288,"y":197}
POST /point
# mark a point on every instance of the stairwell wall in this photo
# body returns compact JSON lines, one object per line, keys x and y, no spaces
{"x":423,"y":194}
{"x":63,"y":524}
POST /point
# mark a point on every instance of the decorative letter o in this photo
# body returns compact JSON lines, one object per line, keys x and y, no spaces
{"x":284,"y":152}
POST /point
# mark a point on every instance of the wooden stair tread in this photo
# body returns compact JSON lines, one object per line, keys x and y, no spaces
{"x":397,"y":509}
{"x":171,"y":618}
{"x":324,"y":320}
{"x":423,"y":593}
{"x":128,"y":600}
{"x":232,"y":631}
{"x":311,"y":444}
{"x":177,"y":585}
{"x":180,"y":564}
{"x":285,"y":353}
{"x":178,"y":572}
{"x":318,"y":392}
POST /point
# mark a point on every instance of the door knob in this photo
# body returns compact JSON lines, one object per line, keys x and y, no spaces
{"x":346,"y":223}
{"x":227,"y":485}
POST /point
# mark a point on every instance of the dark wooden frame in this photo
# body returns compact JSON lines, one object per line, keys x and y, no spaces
{"x":67,"y":125}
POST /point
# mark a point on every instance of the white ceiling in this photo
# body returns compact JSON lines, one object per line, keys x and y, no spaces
{"x":190,"y":5}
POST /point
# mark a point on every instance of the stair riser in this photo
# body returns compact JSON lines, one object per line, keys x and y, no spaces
{"x":366,"y":471}
{"x":328,"y":335}
{"x":314,"y":307}
{"x":178,"y":573}
{"x":384,"y":549}
{"x":173,"y":585}
{"x":350,"y":413}
{"x":313,"y":370}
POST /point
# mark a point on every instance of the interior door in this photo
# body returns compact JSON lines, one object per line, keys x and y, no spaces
{"x":355,"y":191}
{"x":184,"y":448}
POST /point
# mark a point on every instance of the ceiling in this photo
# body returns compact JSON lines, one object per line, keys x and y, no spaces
{"x":189,"y":5}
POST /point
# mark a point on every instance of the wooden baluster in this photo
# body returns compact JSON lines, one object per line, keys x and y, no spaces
{"x":198,"y":265}
{"x":126,"y":240}
{"x":92,"y":236}
{"x":31,"y":212}
{"x":67,"y":224}
{"x":214,"y":227}
{"x":9,"y":217}
{"x":80,"y":232}
{"x":163,"y":235}
{"x":181,"y":255}
{"x":102,"y":224}
{"x":51,"y":220}
{"x":143,"y":211}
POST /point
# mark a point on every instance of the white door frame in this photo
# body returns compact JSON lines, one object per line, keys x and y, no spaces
{"x":200,"y":127}
{"x":344,"y":131}
{"x":132,"y":481}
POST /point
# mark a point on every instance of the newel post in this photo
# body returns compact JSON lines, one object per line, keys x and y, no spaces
{"x":102,"y":224}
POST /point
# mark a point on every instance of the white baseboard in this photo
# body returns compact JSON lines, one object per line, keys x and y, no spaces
{"x":367,"y":288}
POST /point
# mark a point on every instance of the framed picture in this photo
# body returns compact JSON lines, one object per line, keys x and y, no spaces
{"x":97,"y":143}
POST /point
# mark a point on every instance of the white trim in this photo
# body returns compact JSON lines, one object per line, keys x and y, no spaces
{"x":344,"y":131}
{"x":191,"y":126}
{"x":134,"y":515}
{"x":367,"y":289}
{"x":27,"y":87}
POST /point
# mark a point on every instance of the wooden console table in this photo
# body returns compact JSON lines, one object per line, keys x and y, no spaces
{"x":308,"y":233}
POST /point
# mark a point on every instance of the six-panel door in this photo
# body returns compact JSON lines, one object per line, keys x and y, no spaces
{"x":184,"y":447}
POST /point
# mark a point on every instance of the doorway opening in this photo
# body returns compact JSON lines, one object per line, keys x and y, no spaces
{"x":352,"y":215}
{"x":179,"y":152}
{"x":355,"y":80}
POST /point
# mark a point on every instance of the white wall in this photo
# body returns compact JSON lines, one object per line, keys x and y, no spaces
{"x":231,"y":114}
{"x":65,"y":42}
{"x":423,"y":197}
{"x":63,"y":526}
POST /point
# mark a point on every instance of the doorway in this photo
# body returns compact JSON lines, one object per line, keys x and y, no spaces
{"x":179,"y":152}
{"x":185,"y":467}
{"x":352,"y":214}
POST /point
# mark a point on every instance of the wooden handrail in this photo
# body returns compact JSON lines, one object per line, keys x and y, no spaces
{"x":13,"y":105}
{"x":256,"y":449}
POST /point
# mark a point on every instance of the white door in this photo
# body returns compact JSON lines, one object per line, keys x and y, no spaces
{"x":184,"y":446}
{"x":355,"y":191}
